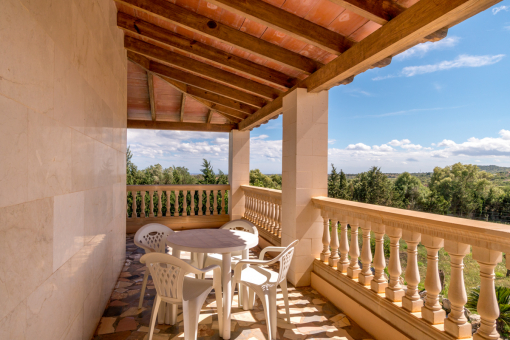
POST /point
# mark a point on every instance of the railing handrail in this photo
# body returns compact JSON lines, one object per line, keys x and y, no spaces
{"x":165,"y":187}
{"x":477,"y":233}
{"x":262,"y":191}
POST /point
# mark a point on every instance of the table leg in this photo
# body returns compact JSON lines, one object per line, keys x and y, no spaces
{"x":244,"y":288}
{"x":227,"y":294}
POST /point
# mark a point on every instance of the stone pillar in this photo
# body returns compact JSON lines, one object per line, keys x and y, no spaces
{"x":238,"y":171}
{"x":304,"y":171}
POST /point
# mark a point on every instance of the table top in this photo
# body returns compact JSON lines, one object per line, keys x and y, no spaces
{"x":212,"y":240}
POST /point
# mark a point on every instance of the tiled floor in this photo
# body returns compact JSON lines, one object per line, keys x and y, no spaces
{"x":312,"y":316}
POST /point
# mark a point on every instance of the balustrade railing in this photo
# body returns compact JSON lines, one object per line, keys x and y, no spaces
{"x":263,"y":207}
{"x":457,"y":236}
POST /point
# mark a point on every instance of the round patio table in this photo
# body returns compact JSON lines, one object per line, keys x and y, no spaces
{"x":219,"y":241}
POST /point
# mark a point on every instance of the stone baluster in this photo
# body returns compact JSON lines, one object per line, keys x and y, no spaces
{"x":366,"y":276}
{"x":192,"y":196}
{"x":487,"y":307}
{"x":271,"y":215}
{"x":326,"y":237}
{"x":456,"y":324}
{"x":394,"y":291}
{"x":200,"y":205}
{"x":255,"y":210}
{"x":127,"y":204}
{"x":208,"y":203}
{"x":264,"y":213}
{"x":160,"y":204}
{"x":185,"y":202}
{"x":379,"y":282}
{"x":247,"y":205}
{"x":343,"y":264}
{"x":176,"y":203}
{"x":223,"y":193}
{"x":215,"y":202}
{"x":133,"y":207}
{"x":142,"y":210}
{"x":279,"y":231}
{"x":353,"y":270}
{"x":335,"y":244}
{"x":151,"y":204}
{"x":432,"y":311}
{"x":412,"y":301}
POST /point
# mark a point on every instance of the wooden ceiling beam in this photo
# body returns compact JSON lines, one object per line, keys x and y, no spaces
{"x":379,"y":11}
{"x":197,"y":67}
{"x":209,"y":116}
{"x":191,"y":79}
{"x":190,"y":20}
{"x":196,"y":48}
{"x":159,"y":125}
{"x":150,"y":86}
{"x":288,"y":23}
{"x":215,"y":98}
{"x":183,"y":105}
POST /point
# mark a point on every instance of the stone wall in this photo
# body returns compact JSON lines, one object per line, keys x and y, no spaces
{"x":62,"y":166}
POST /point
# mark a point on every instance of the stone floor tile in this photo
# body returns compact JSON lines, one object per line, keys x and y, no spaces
{"x":127,"y":324}
{"x":106,"y":325}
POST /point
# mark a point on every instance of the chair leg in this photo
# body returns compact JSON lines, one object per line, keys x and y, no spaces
{"x":190,"y":315}
{"x":251,"y":298}
{"x":285,"y":293}
{"x":272,"y":312}
{"x":155,"y":309}
{"x":264,"y":297}
{"x":144,"y":285}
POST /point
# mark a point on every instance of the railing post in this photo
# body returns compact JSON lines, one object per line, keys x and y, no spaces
{"x":343,"y":264}
{"x":365,"y":276}
{"x":412,"y":302}
{"x":379,"y":283}
{"x":279,"y":234}
{"x":133,"y":207}
{"x":142,"y":210}
{"x":215,"y":202}
{"x":200,"y":204}
{"x":223,"y":193}
{"x":192,"y":196}
{"x":151,"y":204}
{"x":326,"y":238}
{"x":456,"y":323}
{"x":432,"y":311}
{"x":208,"y":203}
{"x":176,"y":203}
{"x":394,"y":291}
{"x":168,"y":195}
{"x":160,"y":204}
{"x":353,"y":270}
{"x":487,"y":307}
{"x":334,"y":258}
{"x":185,"y":202}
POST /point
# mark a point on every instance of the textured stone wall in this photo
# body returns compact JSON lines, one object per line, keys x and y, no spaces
{"x":62,"y":165}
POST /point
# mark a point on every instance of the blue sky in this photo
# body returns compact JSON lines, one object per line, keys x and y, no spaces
{"x":434,"y":105}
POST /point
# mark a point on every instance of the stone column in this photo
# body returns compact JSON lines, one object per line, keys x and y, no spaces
{"x":432,"y":311}
{"x":238,"y":171}
{"x":394,"y":291}
{"x":379,"y":282}
{"x":304,"y":171}
{"x":412,"y":301}
{"x":365,"y":276}
{"x":344,"y":246}
{"x":354,"y":269}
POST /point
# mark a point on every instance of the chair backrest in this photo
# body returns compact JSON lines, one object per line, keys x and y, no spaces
{"x":168,"y":274}
{"x":152,"y":237}
{"x":241,"y":225}
{"x":285,"y":258}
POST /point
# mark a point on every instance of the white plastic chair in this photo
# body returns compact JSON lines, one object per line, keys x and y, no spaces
{"x":152,"y":238}
{"x":172,"y":286}
{"x":264,"y":282}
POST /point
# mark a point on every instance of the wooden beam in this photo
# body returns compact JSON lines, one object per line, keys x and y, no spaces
{"x":209,"y":116}
{"x":379,"y":11}
{"x":269,"y":111}
{"x":190,"y":20}
{"x":197,"y":67}
{"x":150,"y":86}
{"x":288,"y":23}
{"x":148,"y":124}
{"x":196,"y":48}
{"x":420,"y":20}
{"x":183,"y":105}
{"x":215,"y":98}
{"x":191,"y":79}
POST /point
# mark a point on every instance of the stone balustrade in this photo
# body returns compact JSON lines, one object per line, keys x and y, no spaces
{"x":263,"y":207}
{"x":178,"y":206}
{"x":457,"y":236}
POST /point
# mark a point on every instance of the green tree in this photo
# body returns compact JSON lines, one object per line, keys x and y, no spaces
{"x":372,"y":187}
{"x":208,"y":174}
{"x":258,"y":179}
{"x":408,"y":192}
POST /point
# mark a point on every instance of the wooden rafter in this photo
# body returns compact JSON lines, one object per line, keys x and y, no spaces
{"x":196,"y":48}
{"x":183,"y":106}
{"x":209,"y":116}
{"x":191,"y":79}
{"x":190,"y":20}
{"x":195,"y":66}
{"x":288,"y":23}
{"x":148,"y":124}
{"x":150,"y":86}
{"x":379,"y":11}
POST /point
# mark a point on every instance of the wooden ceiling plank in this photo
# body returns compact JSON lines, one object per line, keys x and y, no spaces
{"x":191,"y":79}
{"x":215,"y":98}
{"x":288,"y":23}
{"x":375,"y":10}
{"x":217,"y":56}
{"x":198,"y":67}
{"x":150,"y":85}
{"x":159,"y":125}
{"x":183,"y":105}
{"x":190,"y":20}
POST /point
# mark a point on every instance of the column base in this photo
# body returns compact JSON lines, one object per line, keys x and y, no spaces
{"x":342,"y":267}
{"x":477,"y":336}
{"x":434,"y":317}
{"x":332,"y":262}
{"x":353,"y":273}
{"x":324,"y":258}
{"x":394,"y":295}
{"x":378,"y":287}
{"x":412,"y":306}
{"x":365,"y":280}
{"x":458,"y":331}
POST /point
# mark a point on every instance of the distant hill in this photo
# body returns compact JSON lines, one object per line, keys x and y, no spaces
{"x":494,"y":169}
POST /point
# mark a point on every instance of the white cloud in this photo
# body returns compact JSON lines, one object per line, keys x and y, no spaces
{"x":412,"y":147}
{"x":331,"y":141}
{"x":359,"y":146}
{"x":459,"y":62}
{"x":399,"y":142}
{"x":496,"y":10}
{"x":421,"y":49}
{"x":505,"y":134}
